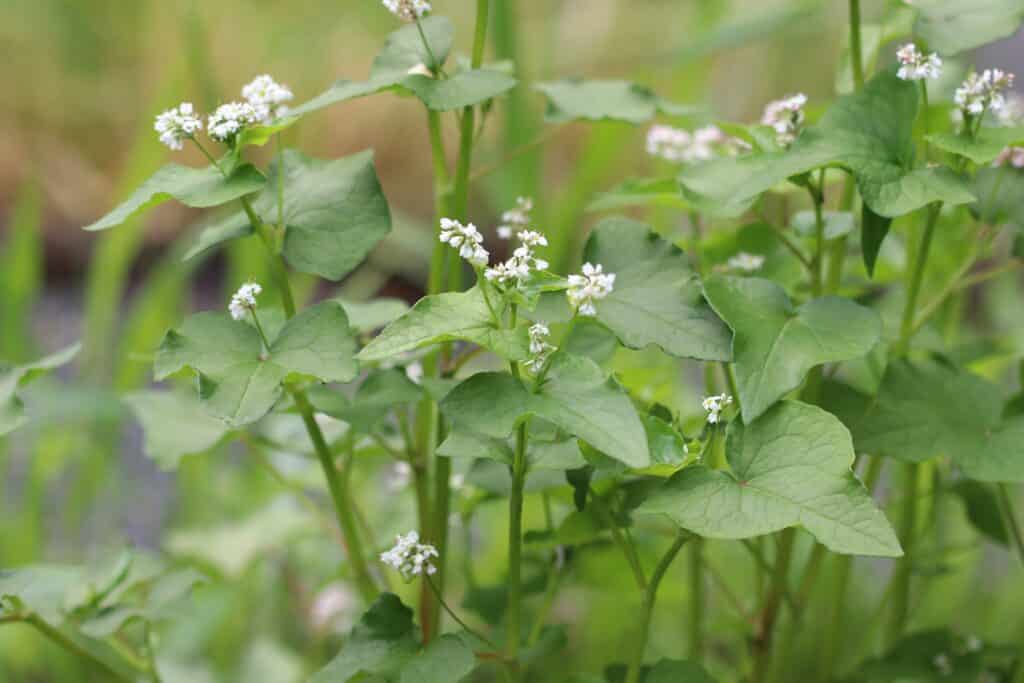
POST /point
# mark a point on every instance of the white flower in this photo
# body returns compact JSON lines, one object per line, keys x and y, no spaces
{"x":398,"y":477}
{"x":1010,"y":156}
{"x":917,"y":66}
{"x":540,"y":348}
{"x":680,"y":146}
{"x":410,"y":557}
{"x":714,"y":405}
{"x":420,"y":69}
{"x":786,"y":116}
{"x":414,"y":371}
{"x":943,"y":664}
{"x":523,"y":260}
{"x":592,"y":285}
{"x":457,"y":481}
{"x":177,"y":125}
{"x":268,"y":97}
{"x":983,"y":92}
{"x":467,"y":239}
{"x":244,"y":300}
{"x":973,"y":643}
{"x":1012,"y":112}
{"x":407,"y":10}
{"x":745,"y":262}
{"x":519,"y":217}
{"x":229,"y":119}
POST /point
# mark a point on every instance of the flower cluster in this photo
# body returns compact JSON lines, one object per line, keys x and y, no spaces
{"x":229,"y":119}
{"x":917,"y":66}
{"x":981,"y":92}
{"x":244,"y":300}
{"x":714,"y":405}
{"x":786,"y":116}
{"x":1010,"y":156}
{"x":681,"y":146}
{"x":408,"y":10}
{"x":745,"y":262}
{"x":1012,"y":112}
{"x":467,"y":239}
{"x":515,"y":219}
{"x":410,"y":557}
{"x":268,"y":97}
{"x":540,"y":347}
{"x":523,"y":260}
{"x":177,"y":125}
{"x":591,"y":285}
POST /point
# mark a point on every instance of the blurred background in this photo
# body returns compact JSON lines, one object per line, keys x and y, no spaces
{"x":85,"y":79}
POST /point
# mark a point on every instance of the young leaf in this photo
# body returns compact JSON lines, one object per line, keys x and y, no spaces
{"x":914,"y":658}
{"x":954,"y":26}
{"x":12,"y":412}
{"x":463,"y":89}
{"x":382,"y":391}
{"x":983,"y":148}
{"x":317,"y":342}
{"x":777,"y":343}
{"x":873,"y":229}
{"x":576,"y":396}
{"x":657,"y":297}
{"x":41,"y":589}
{"x":196,"y":187}
{"x":648,"y":192}
{"x":448,"y":317}
{"x":334,"y":213}
{"x":790,"y":467}
{"x":569,"y":100}
{"x":869,"y":133}
{"x":928,"y":409}
{"x":175,"y":425}
{"x":999,"y":191}
{"x":447,"y":659}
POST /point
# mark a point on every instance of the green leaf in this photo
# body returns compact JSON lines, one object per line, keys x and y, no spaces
{"x":790,"y":467}
{"x":317,"y":342}
{"x":596,"y":100}
{"x":40,"y":589}
{"x":366,"y":316}
{"x":666,"y":445}
{"x":645,"y":192}
{"x":238,"y":381}
{"x":382,"y":391}
{"x":334,"y":211}
{"x":447,"y":659}
{"x":377,"y":649}
{"x":929,"y":409}
{"x":913,"y":659}
{"x":448,"y":317}
{"x":576,"y":396}
{"x":999,"y":191}
{"x":954,"y":26}
{"x":837,"y":223}
{"x":196,"y":187}
{"x":981,"y":149}
{"x":12,"y":378}
{"x":175,"y":425}
{"x":674,"y":671}
{"x":982,"y":509}
{"x":870,"y":133}
{"x":463,"y":89}
{"x":657,"y":297}
{"x":777,"y":343}
{"x":873,"y":230}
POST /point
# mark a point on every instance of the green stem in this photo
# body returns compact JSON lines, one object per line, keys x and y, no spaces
{"x":900,"y":601}
{"x":434,"y":64}
{"x":1010,"y":519}
{"x":74,"y":648}
{"x":856,"y":53}
{"x":818,"y":262}
{"x":435,"y":280}
{"x":770,"y":612}
{"x":515,"y":541}
{"x":453,"y":615}
{"x":647,"y":609}
{"x":916,"y":278}
{"x":346,"y":516}
{"x":697,"y":601}
{"x":627,"y":548}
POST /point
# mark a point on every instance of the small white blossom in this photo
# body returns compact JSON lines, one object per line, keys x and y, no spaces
{"x":522,"y":262}
{"x":229,"y":119}
{"x":414,"y":371}
{"x":917,"y":66}
{"x":467,"y":239}
{"x":587,"y":288}
{"x":516,"y":218}
{"x":420,"y":69}
{"x":986,"y":91}
{"x":177,"y":125}
{"x":244,"y":300}
{"x":540,"y":347}
{"x":398,"y":476}
{"x":680,"y":146}
{"x":714,"y":405}
{"x":745,"y":262}
{"x":457,"y":481}
{"x":973,"y":643}
{"x":1010,"y":156}
{"x":408,"y":10}
{"x":410,"y":557}
{"x":942,"y":664}
{"x":786,"y":116}
{"x":1012,"y":112}
{"x":268,"y":97}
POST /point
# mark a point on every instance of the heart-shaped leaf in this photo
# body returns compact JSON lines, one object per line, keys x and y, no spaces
{"x":569,"y":100}
{"x":790,"y":467}
{"x":954,"y":26}
{"x":657,"y":297}
{"x":983,"y":147}
{"x":776,"y":343}
{"x":175,"y":425}
{"x":196,"y":187}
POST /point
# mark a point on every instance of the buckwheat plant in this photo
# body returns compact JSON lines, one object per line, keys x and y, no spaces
{"x":813,"y":288}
